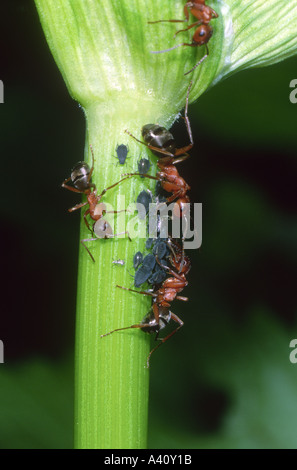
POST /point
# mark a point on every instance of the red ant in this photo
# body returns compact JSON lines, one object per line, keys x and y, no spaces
{"x":203,"y":33}
{"x":160,"y":315}
{"x":162,"y":143}
{"x":80,"y":177}
{"x":154,"y":321}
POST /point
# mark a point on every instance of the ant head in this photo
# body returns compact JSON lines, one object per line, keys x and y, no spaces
{"x":159,"y":137}
{"x":80,"y":176}
{"x":202,"y":35}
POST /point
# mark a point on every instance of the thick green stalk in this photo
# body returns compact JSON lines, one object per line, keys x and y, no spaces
{"x":102,"y":49}
{"x":111,"y":378}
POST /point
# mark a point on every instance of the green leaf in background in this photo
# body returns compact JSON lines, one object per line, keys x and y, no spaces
{"x":252,"y":108}
{"x":260,"y":381}
{"x":264,"y":33}
{"x":36,"y":405}
{"x":250,"y":364}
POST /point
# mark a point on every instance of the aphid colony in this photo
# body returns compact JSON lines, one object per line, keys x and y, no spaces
{"x":166,"y":265}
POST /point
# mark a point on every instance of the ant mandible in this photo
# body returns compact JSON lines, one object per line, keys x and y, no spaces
{"x":162,"y":143}
{"x":203,"y":33}
{"x":80,"y":177}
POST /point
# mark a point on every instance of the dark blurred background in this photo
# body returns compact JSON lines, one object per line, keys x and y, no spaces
{"x":225,"y":380}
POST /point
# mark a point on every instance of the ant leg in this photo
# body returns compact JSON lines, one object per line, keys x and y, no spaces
{"x":77,"y":206}
{"x":186,"y":13}
{"x":115,"y":212}
{"x":151,"y":294}
{"x":183,"y":150}
{"x":183,"y":255}
{"x":167,"y":21}
{"x":137,"y":140}
{"x":143,"y":175}
{"x":170,"y":271}
{"x":189,"y":27}
{"x":117,"y":234}
{"x":162,"y":340}
{"x":71,"y":188}
{"x":97,"y":238}
{"x":169,"y":244}
{"x":109,"y":187}
{"x":176,"y":193}
{"x":187,"y":7}
{"x":200,"y":61}
{"x":180,"y":159}
{"x":184,"y":299}
{"x":86,"y":221}
{"x":93,"y":161}
{"x":156,"y":314}
{"x":186,"y":114}
{"x":151,"y":147}
{"x":214,"y":13}
{"x":83,"y":244}
{"x":174,"y":47}
{"x":137,"y":325}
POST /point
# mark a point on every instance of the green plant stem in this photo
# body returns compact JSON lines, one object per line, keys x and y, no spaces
{"x":111,"y":397}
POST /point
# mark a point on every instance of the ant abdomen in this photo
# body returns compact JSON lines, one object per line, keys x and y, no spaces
{"x":157,"y":136}
{"x":150,"y":322}
{"x":151,"y":325}
{"x":80,"y":176}
{"x":102,"y":229}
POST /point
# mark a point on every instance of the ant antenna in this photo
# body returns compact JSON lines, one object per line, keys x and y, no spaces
{"x":168,"y":50}
{"x":200,"y":61}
